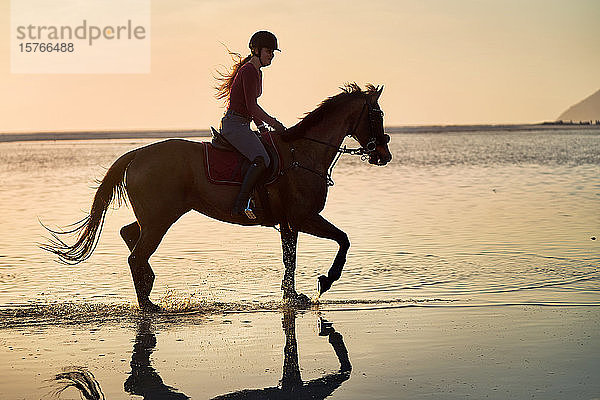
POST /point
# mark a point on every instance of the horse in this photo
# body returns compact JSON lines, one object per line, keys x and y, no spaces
{"x":166,"y":179}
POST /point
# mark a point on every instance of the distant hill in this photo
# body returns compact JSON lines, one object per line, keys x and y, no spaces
{"x":586,"y":110}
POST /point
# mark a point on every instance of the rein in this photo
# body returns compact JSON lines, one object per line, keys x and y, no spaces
{"x":362,"y":151}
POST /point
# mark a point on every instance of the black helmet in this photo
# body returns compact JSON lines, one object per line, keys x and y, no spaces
{"x":263,"y":39}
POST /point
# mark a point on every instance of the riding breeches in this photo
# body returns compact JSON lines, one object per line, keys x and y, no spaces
{"x":236,"y":129}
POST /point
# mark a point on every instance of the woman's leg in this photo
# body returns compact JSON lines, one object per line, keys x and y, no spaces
{"x":253,"y":175}
{"x":237,"y":132}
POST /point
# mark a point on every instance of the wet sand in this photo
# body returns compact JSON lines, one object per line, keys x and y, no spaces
{"x":417,"y":351}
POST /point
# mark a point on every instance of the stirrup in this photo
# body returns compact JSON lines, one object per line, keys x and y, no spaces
{"x":248,"y":210}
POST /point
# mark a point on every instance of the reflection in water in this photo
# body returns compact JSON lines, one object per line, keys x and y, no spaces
{"x":146,"y":382}
{"x":291,"y":385}
{"x":81,"y":379}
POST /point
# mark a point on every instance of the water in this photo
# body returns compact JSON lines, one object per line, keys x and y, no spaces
{"x":456,"y":219}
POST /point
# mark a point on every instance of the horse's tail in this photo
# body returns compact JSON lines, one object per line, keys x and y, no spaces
{"x":112,"y":187}
{"x":80,"y":378}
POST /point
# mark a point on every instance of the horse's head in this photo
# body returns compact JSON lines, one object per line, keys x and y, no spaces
{"x":368,"y":130}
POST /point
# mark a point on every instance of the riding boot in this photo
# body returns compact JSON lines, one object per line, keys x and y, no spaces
{"x":241,"y":206}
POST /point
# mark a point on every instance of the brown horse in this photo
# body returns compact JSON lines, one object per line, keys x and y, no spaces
{"x":167,"y":179}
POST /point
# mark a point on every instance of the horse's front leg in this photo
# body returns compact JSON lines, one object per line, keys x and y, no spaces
{"x":320,"y":227}
{"x":289,"y":241}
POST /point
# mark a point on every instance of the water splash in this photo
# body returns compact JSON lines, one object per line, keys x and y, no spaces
{"x":172,"y":305}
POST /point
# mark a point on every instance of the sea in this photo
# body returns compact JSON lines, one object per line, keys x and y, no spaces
{"x":458,"y":218}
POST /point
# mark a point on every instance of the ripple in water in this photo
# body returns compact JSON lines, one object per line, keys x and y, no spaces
{"x":477,"y":218}
{"x":175,"y":306}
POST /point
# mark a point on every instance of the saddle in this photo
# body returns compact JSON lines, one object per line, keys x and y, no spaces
{"x":226,"y":166}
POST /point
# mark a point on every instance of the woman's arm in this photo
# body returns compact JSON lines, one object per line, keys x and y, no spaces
{"x":250,"y":84}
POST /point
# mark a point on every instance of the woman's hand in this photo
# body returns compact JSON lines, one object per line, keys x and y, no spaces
{"x":262,"y":128}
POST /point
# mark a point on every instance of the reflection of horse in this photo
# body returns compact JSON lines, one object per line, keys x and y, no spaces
{"x":291,"y":385}
{"x":167,"y":179}
{"x":79,"y":378}
{"x":145,"y":381}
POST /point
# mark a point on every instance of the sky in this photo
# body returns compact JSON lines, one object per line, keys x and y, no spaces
{"x":441,"y":62}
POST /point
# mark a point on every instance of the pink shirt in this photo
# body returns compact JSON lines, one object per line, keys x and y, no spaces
{"x":246,"y":88}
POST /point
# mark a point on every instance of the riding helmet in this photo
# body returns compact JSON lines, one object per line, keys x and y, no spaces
{"x":263,"y":39}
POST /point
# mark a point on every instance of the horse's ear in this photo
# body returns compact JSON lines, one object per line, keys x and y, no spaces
{"x":374,"y":94}
{"x":379,"y":92}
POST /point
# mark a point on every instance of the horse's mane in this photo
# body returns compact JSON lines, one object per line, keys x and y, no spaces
{"x":349,"y":91}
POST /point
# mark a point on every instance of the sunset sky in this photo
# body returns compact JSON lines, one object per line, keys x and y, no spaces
{"x":442,"y":62}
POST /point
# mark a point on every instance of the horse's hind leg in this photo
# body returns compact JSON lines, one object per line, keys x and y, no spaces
{"x":141,"y":272}
{"x":320,"y":227}
{"x":131,"y":234}
{"x":143,"y":276}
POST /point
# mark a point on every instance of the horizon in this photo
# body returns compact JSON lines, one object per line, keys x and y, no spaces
{"x":110,"y":134}
{"x":464,"y":63}
{"x":207,"y":129}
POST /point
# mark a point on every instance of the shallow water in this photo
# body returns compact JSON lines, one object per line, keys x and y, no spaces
{"x":493,"y":352}
{"x":474,"y":218}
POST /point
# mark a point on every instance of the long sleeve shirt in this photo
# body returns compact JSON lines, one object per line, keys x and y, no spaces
{"x":245,"y":90}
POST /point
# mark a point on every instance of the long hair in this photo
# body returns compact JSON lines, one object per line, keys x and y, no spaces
{"x":225,"y":78}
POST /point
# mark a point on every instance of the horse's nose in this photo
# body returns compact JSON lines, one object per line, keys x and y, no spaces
{"x":384,"y":155}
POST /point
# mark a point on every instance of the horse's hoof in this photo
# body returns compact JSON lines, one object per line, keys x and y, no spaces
{"x":303,"y":300}
{"x":297,"y":300}
{"x":148,"y":306}
{"x":324,"y":284}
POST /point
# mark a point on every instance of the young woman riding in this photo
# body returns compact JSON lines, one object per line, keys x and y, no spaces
{"x":241,"y":87}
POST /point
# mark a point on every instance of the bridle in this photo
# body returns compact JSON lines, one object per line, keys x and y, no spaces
{"x":376,"y":138}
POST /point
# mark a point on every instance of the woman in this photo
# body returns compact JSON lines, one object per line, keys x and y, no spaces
{"x":241,"y":87}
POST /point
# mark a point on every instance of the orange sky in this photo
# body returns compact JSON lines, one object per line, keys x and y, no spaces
{"x":442,"y":62}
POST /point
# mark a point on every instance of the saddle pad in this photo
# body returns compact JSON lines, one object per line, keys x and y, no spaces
{"x":225,"y":167}
{"x":222,"y":166}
